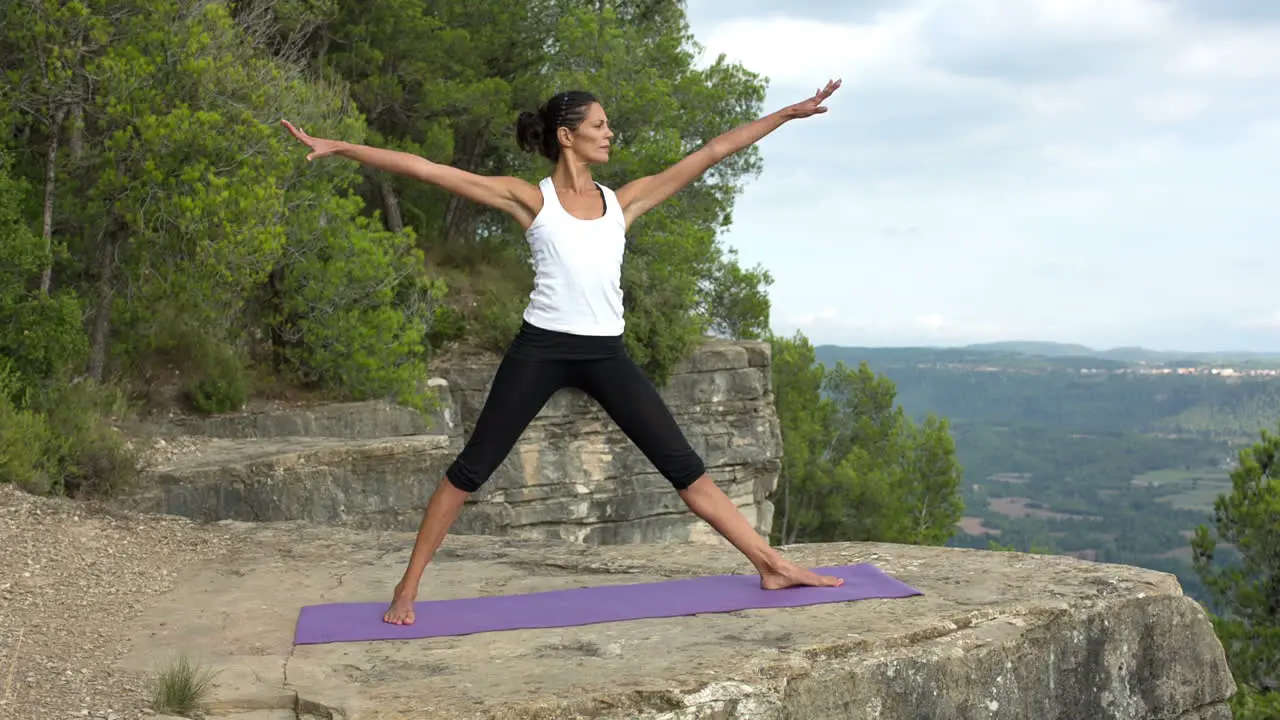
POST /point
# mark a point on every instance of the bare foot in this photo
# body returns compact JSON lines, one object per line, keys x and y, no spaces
{"x":784,"y":574}
{"x":401,"y":610}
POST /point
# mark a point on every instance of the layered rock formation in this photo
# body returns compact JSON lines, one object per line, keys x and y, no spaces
{"x":995,"y":636}
{"x":574,"y":475}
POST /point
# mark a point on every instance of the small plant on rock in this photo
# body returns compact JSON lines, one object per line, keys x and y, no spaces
{"x":181,"y":687}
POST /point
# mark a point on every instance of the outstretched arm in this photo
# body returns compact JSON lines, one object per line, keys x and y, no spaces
{"x":642,"y":195}
{"x":513,"y":196}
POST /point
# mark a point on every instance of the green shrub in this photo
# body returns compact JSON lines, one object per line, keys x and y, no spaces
{"x":60,"y":439}
{"x":43,"y":336}
{"x":24,"y":443}
{"x":485,"y":304}
{"x":182,"y":687}
{"x":1251,"y":704}
{"x":498,"y":320}
{"x":84,"y":453}
{"x":219,"y":381}
{"x":214,"y":375}
{"x":449,"y":326}
{"x":353,"y":308}
{"x":93,"y":458}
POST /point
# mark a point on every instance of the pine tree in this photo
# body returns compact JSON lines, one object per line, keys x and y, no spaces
{"x":1245,"y":590}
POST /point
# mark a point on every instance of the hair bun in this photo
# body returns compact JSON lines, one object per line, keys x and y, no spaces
{"x":529,"y":130}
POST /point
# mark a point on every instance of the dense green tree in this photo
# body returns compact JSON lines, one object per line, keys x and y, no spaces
{"x":45,"y":46}
{"x":447,"y":79}
{"x":162,"y":225}
{"x":194,"y":235}
{"x":1246,"y":592}
{"x":855,"y":467}
{"x":734,"y":300}
{"x":40,"y":334}
{"x":53,"y":433}
{"x":805,"y":419}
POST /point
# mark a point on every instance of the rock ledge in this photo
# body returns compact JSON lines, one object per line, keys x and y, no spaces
{"x":996,"y":635}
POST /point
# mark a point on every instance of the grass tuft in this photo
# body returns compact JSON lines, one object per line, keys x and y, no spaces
{"x":181,"y":687}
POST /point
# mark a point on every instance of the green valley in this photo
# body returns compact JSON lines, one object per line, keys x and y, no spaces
{"x":1113,"y":456}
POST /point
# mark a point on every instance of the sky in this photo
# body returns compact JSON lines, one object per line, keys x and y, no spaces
{"x":1104,"y":172}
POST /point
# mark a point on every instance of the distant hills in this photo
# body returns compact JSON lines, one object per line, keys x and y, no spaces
{"x":1076,"y":388}
{"x":1019,"y":353}
{"x":1111,"y":455}
{"x":1121,"y":354}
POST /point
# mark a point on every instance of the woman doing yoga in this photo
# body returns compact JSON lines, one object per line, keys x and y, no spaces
{"x":571,"y":335}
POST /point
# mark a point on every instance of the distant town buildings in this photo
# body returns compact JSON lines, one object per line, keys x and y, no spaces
{"x":1205,"y":370}
{"x":1160,"y":370}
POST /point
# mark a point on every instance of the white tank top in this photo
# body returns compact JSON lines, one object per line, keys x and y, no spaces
{"x":577,"y":285}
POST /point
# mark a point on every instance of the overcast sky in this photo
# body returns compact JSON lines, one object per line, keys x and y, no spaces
{"x":1096,"y":171}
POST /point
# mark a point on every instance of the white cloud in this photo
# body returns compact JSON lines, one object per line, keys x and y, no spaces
{"x":1171,"y":106}
{"x":1102,"y":170}
{"x":926,"y":329}
{"x":1231,"y":54}
{"x":931,"y":321}
{"x":1090,"y":18}
{"x":985,"y":25}
{"x":1269,"y":322}
{"x":808,"y":52}
{"x":826,"y":315}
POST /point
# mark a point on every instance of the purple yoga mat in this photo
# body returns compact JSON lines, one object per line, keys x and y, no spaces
{"x":356,"y":622}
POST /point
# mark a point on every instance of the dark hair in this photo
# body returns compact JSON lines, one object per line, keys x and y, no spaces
{"x":536,"y":132}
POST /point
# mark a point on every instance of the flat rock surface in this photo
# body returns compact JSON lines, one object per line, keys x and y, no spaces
{"x":996,"y":635}
{"x":351,"y":420}
{"x":72,"y":577}
{"x":94,"y":601}
{"x":221,"y":453}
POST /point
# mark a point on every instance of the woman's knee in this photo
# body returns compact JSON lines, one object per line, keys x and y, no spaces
{"x":683,"y":470}
{"x":468,"y":475}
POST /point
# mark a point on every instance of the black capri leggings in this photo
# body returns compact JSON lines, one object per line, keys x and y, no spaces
{"x":537,"y":364}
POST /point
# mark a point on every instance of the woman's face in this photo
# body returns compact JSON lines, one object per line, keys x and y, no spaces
{"x":589,"y":142}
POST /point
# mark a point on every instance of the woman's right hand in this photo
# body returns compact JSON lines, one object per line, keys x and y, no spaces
{"x":319,"y":146}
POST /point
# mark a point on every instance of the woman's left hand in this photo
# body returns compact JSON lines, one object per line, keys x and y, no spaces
{"x":813,"y":105}
{"x":319,"y":147}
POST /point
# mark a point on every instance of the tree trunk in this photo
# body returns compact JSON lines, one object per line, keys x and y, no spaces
{"x":102,"y":315}
{"x":50,"y":162}
{"x":786,"y":509}
{"x":279,"y":319}
{"x":795,"y":528}
{"x":390,"y":204}
{"x":795,"y":532}
{"x":922,"y":521}
{"x":460,"y":216}
{"x":75,"y":144}
{"x":600,"y":4}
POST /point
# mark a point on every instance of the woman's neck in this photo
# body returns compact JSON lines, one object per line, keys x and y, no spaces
{"x":570,"y":175}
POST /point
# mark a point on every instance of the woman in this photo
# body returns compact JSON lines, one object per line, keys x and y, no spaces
{"x":572,"y":330}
